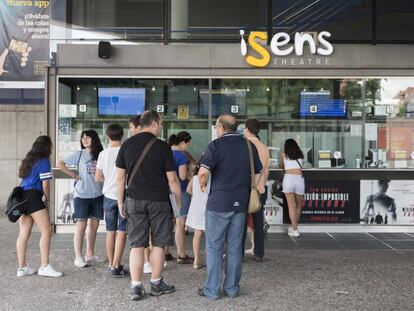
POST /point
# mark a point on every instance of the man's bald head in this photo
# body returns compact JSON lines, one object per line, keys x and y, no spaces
{"x":228,"y":122}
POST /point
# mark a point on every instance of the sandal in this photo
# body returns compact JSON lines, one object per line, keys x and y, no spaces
{"x":184,"y":260}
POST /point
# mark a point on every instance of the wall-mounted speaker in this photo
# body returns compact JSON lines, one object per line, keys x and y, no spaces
{"x":104,"y":50}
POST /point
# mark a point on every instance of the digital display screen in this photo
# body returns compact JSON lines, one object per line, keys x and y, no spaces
{"x":320,"y":104}
{"x":232,"y":101}
{"x":121,"y":101}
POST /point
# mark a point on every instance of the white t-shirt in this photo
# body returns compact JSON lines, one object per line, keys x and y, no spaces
{"x":106,"y":163}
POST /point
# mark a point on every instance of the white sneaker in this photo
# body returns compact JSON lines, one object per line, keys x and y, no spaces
{"x":93,"y":259}
{"x":165,"y":263}
{"x":49,"y":271}
{"x":290,"y":230}
{"x":294,"y":233}
{"x":147,"y":268}
{"x":79,"y":262}
{"x":25,"y":271}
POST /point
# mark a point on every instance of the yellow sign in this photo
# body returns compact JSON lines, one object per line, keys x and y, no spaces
{"x":182,"y":113}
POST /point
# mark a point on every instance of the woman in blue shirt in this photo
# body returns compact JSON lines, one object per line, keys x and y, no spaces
{"x":36,"y":172}
{"x":88,"y":200}
{"x":179,"y":143}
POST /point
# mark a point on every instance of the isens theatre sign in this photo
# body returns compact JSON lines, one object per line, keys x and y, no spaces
{"x":284,"y":53}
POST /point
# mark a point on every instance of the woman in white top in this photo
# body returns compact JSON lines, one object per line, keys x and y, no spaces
{"x":196,"y":215}
{"x":293,"y":182}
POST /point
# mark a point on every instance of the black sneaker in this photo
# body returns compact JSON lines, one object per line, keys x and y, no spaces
{"x":161,"y":288}
{"x":137,"y":292}
{"x":119,"y":272}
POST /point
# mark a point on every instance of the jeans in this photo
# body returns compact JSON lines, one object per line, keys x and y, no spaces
{"x":258,"y":221}
{"x":221,"y":227}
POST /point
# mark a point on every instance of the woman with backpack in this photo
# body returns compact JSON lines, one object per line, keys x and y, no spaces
{"x":35,"y":170}
{"x":88,"y":200}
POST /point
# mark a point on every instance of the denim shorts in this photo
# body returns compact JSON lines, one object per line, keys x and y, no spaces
{"x":88,"y":208}
{"x":185,"y":205}
{"x":113,"y":219}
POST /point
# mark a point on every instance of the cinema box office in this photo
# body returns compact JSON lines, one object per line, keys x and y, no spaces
{"x":349,"y":106}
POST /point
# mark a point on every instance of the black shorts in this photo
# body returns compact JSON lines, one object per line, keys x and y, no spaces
{"x":145,"y":217}
{"x":35,"y":202}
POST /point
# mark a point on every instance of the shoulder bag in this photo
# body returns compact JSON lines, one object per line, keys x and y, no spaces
{"x":254,"y":201}
{"x":138,"y":163}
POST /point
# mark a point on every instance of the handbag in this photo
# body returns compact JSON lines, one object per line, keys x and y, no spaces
{"x":254,"y":201}
{"x":137,"y":164}
{"x":16,"y":204}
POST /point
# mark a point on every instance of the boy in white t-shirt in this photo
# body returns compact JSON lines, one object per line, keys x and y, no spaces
{"x":106,"y":173}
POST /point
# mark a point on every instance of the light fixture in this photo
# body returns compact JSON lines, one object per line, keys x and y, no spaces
{"x":248,"y":89}
{"x":225,"y":89}
{"x":194,"y":88}
{"x":78,"y":88}
{"x":321,"y":90}
{"x":153,"y":88}
{"x":268,"y":89}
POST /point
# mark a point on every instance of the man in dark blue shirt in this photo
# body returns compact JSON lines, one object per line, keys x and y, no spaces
{"x":227,"y":161}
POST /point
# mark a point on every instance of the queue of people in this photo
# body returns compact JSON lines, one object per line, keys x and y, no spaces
{"x":145,"y":187}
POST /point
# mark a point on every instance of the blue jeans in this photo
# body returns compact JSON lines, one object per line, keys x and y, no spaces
{"x":222,"y":227}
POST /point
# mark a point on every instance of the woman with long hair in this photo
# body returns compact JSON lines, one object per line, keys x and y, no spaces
{"x":293,"y":182}
{"x":179,"y":143}
{"x":35,"y":170}
{"x":88,"y":195}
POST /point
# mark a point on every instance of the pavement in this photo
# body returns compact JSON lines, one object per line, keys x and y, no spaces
{"x":317,"y":271}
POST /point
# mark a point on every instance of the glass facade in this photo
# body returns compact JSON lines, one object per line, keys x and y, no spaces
{"x":369,"y":121}
{"x":356,"y":21}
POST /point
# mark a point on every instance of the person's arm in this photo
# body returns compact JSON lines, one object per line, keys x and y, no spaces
{"x":189,"y":189}
{"x":62,"y":166}
{"x":182,"y":172}
{"x":281,"y":162}
{"x":46,"y":191}
{"x":99,"y":176}
{"x":120,"y":190}
{"x":175,"y":187}
{"x":203,"y":175}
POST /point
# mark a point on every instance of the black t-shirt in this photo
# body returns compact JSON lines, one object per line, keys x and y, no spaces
{"x":150,"y":182}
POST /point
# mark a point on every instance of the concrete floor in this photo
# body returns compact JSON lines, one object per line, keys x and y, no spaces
{"x":314,"y":272}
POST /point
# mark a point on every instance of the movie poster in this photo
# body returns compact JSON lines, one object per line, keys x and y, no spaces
{"x":275,"y":203}
{"x":64,"y":201}
{"x":24,"y":40}
{"x":387,"y":202}
{"x":330,"y":201}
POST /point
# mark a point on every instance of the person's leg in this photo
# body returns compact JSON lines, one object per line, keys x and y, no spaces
{"x":120,"y":241}
{"x":147,"y":252}
{"x":196,"y":248}
{"x":91,"y":236}
{"x":110,"y":246}
{"x":258,"y":222}
{"x":216,"y":228}
{"x":41,"y":218}
{"x":244,"y":235}
{"x":25,"y":229}
{"x":79,"y":237}
{"x":136,"y":263}
{"x":290,"y":197}
{"x":299,"y":204}
{"x":180,"y":237}
{"x":234,"y":259}
{"x":157,"y":262}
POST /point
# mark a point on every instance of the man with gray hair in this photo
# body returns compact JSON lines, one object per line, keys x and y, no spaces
{"x":227,"y":161}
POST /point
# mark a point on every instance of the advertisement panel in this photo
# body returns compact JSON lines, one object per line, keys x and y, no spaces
{"x":275,"y":203}
{"x":64,"y":201}
{"x":24,"y":41}
{"x":386,"y":202}
{"x":330,"y":201}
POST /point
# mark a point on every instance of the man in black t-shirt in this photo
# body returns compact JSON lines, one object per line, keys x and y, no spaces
{"x":147,"y":206}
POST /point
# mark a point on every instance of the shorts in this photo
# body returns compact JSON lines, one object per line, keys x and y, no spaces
{"x":35,"y":202}
{"x":88,"y":208}
{"x":113,"y":219}
{"x":185,"y":205}
{"x":294,"y":184}
{"x":149,"y":217}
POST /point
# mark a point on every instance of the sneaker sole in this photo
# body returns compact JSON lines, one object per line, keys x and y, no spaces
{"x":119,"y":276}
{"x":50,"y":276}
{"x":162,"y":293}
{"x":137,"y":298}
{"x":27,"y":274}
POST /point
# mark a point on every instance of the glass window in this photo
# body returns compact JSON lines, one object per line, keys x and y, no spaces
{"x":395,"y":20}
{"x":345,"y":20}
